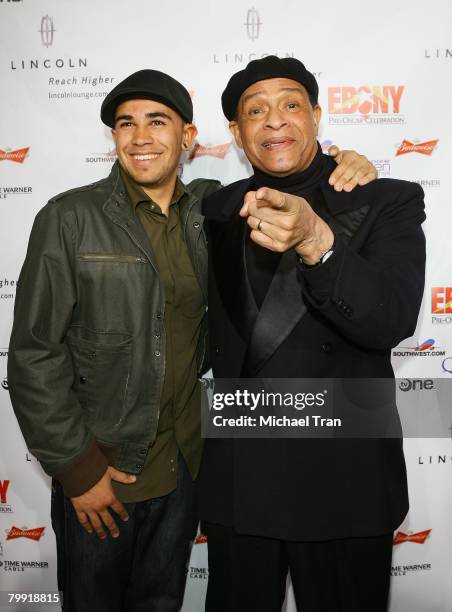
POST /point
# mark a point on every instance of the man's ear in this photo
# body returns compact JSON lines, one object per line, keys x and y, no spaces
{"x":317,"y":112}
{"x":190,"y":131}
{"x":234,"y":127}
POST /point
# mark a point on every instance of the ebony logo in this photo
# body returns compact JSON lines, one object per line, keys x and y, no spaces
{"x":253,"y":24}
{"x":47,"y":31}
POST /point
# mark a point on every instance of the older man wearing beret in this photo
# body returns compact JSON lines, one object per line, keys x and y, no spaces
{"x":108,"y":340}
{"x":304,"y":282}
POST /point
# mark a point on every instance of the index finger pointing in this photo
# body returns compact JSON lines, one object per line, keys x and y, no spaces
{"x":249,"y":197}
{"x":271,"y":197}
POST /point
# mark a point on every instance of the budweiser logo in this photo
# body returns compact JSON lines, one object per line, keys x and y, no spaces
{"x":201,"y":539}
{"x":17,"y":156}
{"x":31,"y":534}
{"x":424,"y":148}
{"x":417,"y":538}
{"x":214,"y":151}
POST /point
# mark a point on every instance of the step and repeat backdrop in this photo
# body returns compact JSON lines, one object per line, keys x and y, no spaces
{"x":384,"y":72}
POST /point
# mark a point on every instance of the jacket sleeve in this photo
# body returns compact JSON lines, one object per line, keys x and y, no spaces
{"x":372,"y":295}
{"x":40,"y":370}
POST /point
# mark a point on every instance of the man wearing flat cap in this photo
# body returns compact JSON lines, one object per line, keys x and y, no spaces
{"x":304,"y":282}
{"x":108,"y":340}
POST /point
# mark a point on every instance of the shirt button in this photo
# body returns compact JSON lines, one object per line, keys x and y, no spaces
{"x":152,"y":206}
{"x":159,"y":315}
{"x":83,"y":379}
{"x":173,"y":469}
{"x":157,"y":336}
{"x":217,"y":350}
{"x":157,"y":353}
{"x":326,"y":347}
{"x":196,"y":225}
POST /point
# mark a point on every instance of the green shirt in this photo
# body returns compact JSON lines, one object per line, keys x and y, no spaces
{"x":179,"y":419}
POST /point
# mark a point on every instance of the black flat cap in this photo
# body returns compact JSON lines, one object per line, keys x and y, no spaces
{"x":270,"y":67}
{"x":148,"y":85}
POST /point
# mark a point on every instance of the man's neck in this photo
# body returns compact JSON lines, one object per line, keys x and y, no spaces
{"x":161,"y":194}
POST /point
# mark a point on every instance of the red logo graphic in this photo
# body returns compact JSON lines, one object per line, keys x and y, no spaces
{"x":417,"y":538}
{"x":31,"y":534}
{"x":441,"y":300}
{"x":17,"y":156}
{"x":201,"y":539}
{"x":4,"y":484}
{"x":214,"y":151}
{"x":376,"y":99}
{"x":424,"y":148}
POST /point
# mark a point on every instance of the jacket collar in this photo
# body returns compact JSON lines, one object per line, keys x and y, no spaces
{"x":117,"y":207}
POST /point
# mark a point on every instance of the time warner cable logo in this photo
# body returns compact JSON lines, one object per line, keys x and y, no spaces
{"x":253,"y":24}
{"x":47,"y":31}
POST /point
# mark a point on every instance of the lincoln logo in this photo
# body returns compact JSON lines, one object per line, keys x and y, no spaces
{"x":253,"y":24}
{"x":47,"y":31}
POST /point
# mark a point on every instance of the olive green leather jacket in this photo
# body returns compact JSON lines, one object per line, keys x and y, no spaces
{"x":87,"y":352}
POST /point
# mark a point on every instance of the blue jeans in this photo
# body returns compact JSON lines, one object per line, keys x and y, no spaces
{"x":143,"y":570}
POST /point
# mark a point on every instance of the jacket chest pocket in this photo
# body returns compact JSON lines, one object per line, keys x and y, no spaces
{"x":101,"y":379}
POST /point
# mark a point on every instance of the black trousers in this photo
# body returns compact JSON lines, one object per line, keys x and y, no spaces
{"x":248,"y":573}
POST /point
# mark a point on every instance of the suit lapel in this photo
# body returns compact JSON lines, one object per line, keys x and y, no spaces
{"x":282,"y":309}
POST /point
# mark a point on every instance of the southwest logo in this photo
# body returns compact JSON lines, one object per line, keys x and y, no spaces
{"x":375,"y":99}
{"x":218,"y":151}
{"x":424,"y":148}
{"x":416,"y":538}
{"x":31,"y":534}
{"x":17,"y":156}
{"x":441,"y":300}
{"x":425,"y":346}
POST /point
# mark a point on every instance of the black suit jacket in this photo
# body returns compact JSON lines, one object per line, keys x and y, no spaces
{"x":340,"y":319}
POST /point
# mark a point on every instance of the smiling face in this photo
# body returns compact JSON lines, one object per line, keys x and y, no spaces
{"x":276,"y":126}
{"x":149,"y":139}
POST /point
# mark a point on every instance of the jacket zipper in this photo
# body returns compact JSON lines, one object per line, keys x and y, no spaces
{"x":111,"y":257}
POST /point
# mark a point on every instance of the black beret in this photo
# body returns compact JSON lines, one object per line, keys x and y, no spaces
{"x":148,"y":85}
{"x":270,"y":67}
